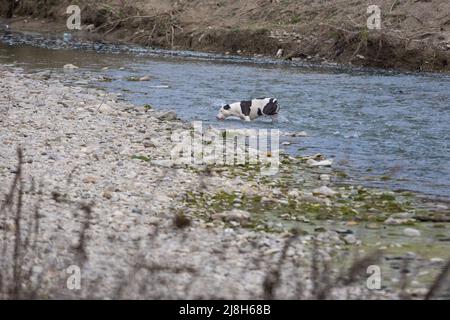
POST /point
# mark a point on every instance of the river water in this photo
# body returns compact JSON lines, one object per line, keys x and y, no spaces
{"x":384,"y":129}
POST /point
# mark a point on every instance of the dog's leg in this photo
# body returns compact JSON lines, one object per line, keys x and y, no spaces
{"x":247,"y":118}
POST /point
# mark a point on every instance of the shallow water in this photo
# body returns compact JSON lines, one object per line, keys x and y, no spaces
{"x":383,"y":128}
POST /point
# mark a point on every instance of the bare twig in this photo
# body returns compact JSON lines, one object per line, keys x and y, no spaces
{"x":438,"y":282}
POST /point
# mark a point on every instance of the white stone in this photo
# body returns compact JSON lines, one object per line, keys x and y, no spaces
{"x":325,"y":191}
{"x":105,"y":109}
{"x":410,"y":232}
{"x":396,"y":221}
{"x":350,"y":239}
{"x":70,"y":67}
{"x":323,"y":163}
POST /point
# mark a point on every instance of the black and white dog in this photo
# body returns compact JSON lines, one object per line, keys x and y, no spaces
{"x":250,"y":110}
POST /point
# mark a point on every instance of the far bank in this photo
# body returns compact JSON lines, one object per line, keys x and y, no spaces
{"x":414,"y":37}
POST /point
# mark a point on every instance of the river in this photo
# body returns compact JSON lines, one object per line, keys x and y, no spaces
{"x":383,"y":128}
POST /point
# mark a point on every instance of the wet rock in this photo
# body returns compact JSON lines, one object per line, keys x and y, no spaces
{"x":323,"y":163}
{"x":397,"y":221}
{"x":296,"y":134}
{"x":316,"y":157}
{"x":312,"y":199}
{"x":410,"y":232}
{"x":149,"y":144}
{"x":344,"y":231}
{"x":330,"y":236}
{"x":437,"y":260}
{"x":267,"y":201}
{"x":403,"y":215}
{"x":70,"y":67}
{"x":325,"y":177}
{"x":373,"y":226}
{"x":324,"y":191}
{"x":441,"y":207}
{"x":350,"y":239}
{"x":168,"y":116}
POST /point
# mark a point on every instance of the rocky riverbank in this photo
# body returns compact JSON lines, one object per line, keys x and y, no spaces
{"x":89,"y":187}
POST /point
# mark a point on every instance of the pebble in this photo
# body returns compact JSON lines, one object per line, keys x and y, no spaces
{"x":396,"y":221}
{"x":105,"y":109}
{"x":410,"y":232}
{"x":437,"y":260}
{"x":70,"y":67}
{"x":325,"y":191}
{"x":323,"y":163}
{"x":350,"y":239}
{"x":90,"y":179}
{"x":149,"y":144}
{"x":296,"y":134}
{"x":107,"y":195}
{"x":169,"y":116}
{"x":373,"y":226}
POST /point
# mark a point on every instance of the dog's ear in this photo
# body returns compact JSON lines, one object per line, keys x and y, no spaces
{"x":227,"y":107}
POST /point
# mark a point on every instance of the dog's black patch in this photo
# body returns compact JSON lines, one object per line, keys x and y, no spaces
{"x":227,"y":107}
{"x":245,"y":107}
{"x":271,"y":108}
{"x":259,"y":112}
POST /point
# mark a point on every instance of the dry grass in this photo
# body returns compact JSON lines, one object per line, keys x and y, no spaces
{"x":413,"y":35}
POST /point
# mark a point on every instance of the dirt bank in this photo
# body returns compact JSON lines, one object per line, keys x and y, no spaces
{"x":414,"y":35}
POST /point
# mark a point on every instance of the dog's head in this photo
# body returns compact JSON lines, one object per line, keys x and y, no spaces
{"x":224,"y":112}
